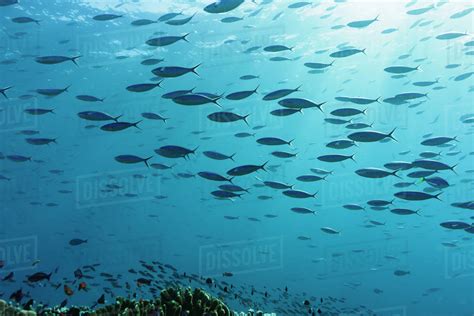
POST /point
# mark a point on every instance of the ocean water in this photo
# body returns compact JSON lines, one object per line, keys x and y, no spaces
{"x":70,"y":199}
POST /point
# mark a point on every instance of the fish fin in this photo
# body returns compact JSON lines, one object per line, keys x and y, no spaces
{"x":245,"y":119}
{"x":73,"y":59}
{"x":194,"y":69}
{"x":320,"y":106}
{"x":391,"y":134}
{"x":146,"y":161}
{"x":452,"y":169}
{"x":185,"y":35}
{"x":136,"y":124}
{"x":5,"y":89}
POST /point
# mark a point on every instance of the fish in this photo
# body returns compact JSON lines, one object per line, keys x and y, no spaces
{"x":89,"y":98}
{"x":173,"y":151}
{"x":38,"y":277}
{"x":302,"y":210}
{"x":277,"y":48}
{"x":298,"y":194}
{"x":335,"y":158}
{"x":106,"y":17}
{"x":195,"y":99}
{"x":132,"y":159}
{"x":329,"y":230}
{"x":347,"y":53}
{"x":362,"y":24}
{"x":97,"y":116}
{"x":154,"y":116}
{"x":370,"y":136}
{"x":25,"y":19}
{"x":77,"y":241}
{"x":226,"y":117}
{"x":174,"y":71}
{"x":415,"y":196}
{"x":217,"y":156}
{"x":273,"y":141}
{"x":400,"y":69}
{"x":375,"y":173}
{"x":143,"y":87}
{"x":166,"y":40}
{"x":213,"y":176}
{"x":119,"y":126}
{"x":52,"y":60}
{"x":245,"y":169}
{"x":222,"y":6}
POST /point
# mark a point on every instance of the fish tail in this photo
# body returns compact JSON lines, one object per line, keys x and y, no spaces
{"x":194,"y":69}
{"x":263,"y":166}
{"x":67,"y":88}
{"x":352,"y":158}
{"x":314,"y":195}
{"x":437,"y":196}
{"x":73,"y":59}
{"x":245,"y":119}
{"x":136,"y":124}
{"x":231,"y":157}
{"x":391,"y":134}
{"x":395,"y":174}
{"x":289,"y":142}
{"x":452,"y":169}
{"x":320,"y":106}
{"x":146,"y":161}
{"x":230,"y":180}
{"x":2,"y":91}
{"x":48,"y":277}
{"x":184,"y":37}
{"x":116,"y":118}
{"x":363,"y":51}
{"x":298,"y":88}
{"x":194,"y":150}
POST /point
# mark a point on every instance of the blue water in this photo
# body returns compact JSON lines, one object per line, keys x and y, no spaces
{"x":74,"y":188}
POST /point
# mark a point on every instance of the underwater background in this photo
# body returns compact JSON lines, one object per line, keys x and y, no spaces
{"x":78,"y":200}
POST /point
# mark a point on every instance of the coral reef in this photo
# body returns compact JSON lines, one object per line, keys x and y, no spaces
{"x":172,"y":302}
